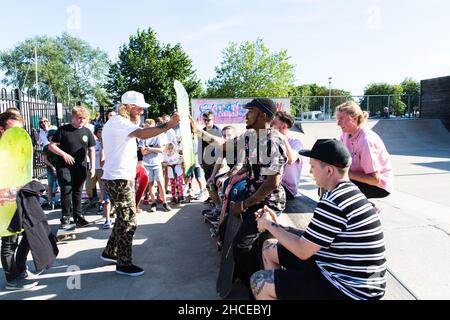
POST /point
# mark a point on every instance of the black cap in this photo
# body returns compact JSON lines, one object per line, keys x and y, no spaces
{"x":330,"y":151}
{"x":97,"y":128}
{"x":264,"y":105}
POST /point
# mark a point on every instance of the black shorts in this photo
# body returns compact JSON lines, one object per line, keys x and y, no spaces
{"x":302,"y":280}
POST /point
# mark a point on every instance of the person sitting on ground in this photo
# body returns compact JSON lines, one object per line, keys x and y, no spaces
{"x":283,"y":122}
{"x":371,"y":168}
{"x":340,"y":256}
{"x":265,"y":158}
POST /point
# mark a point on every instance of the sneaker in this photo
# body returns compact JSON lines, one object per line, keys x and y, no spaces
{"x":153,"y":207}
{"x":207,"y":211}
{"x":132,"y":271}
{"x":65,"y":223}
{"x":214,"y":215}
{"x":146,"y":202}
{"x":100,"y":209}
{"x":107,"y":258}
{"x":159,"y":199}
{"x":166,"y":207}
{"x":107,"y":225}
{"x":207,"y":201}
{"x":82,"y":222}
{"x":182,"y":199}
{"x":21,"y":284}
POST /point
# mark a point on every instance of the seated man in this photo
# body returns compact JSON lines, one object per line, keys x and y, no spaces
{"x":341,"y":255}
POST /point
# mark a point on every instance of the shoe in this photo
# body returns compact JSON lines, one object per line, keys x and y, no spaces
{"x":182,"y":200}
{"x":81,"y":222}
{"x":174,"y":201}
{"x":214,"y":215}
{"x":65,"y":223}
{"x":21,"y":284}
{"x":146,"y":202}
{"x":107,"y":225}
{"x":207,"y":211}
{"x":166,"y":207}
{"x":132,"y":271}
{"x":107,"y":258}
{"x":160,"y":200}
{"x":153,"y":207}
{"x":100,"y":209}
{"x":207,"y":201}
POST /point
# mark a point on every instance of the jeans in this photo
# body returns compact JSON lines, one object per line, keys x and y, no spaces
{"x":14,"y":263}
{"x":71,"y":181}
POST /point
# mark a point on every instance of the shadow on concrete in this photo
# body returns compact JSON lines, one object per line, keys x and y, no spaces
{"x":179,"y":257}
{"x":440,"y":165}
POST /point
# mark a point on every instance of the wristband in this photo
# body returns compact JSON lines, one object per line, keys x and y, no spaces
{"x":242,"y":207}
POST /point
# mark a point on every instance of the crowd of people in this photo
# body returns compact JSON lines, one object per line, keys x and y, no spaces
{"x":252,"y":174}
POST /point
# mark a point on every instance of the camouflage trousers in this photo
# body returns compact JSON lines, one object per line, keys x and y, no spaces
{"x":122,"y":195}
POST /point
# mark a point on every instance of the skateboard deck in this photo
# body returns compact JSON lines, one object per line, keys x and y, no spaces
{"x":16,"y":170}
{"x":141,"y":183}
{"x":185,"y":127}
{"x":224,"y":283}
{"x":63,"y":235}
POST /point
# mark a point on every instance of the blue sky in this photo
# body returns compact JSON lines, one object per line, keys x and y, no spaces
{"x":355,"y":42}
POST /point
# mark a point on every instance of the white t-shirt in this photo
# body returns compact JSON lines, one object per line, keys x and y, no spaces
{"x":98,"y":149}
{"x":174,"y":159}
{"x":120,"y":150}
{"x":43,"y":140}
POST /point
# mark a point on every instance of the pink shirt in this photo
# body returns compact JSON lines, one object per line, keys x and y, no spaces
{"x":369,"y":155}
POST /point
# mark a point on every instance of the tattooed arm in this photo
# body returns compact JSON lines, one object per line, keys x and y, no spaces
{"x":299,"y":246}
{"x":147,"y":133}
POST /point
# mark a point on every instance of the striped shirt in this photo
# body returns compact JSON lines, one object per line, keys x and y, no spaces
{"x":349,"y":232}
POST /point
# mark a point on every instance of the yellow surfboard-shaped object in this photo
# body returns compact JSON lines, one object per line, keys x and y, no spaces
{"x":16,"y":170}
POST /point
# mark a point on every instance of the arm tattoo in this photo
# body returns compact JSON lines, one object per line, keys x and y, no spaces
{"x":275,"y":225}
{"x":260,"y":279}
{"x":162,"y":126}
{"x":269,"y":245}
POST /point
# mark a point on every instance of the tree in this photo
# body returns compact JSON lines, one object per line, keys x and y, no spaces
{"x":150,"y":67}
{"x":249,"y":69}
{"x":67,"y":67}
{"x":310,"y":97}
{"x":411,"y":87}
{"x":375,"y":105}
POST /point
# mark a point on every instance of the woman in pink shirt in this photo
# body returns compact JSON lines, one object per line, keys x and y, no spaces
{"x":371,"y":168}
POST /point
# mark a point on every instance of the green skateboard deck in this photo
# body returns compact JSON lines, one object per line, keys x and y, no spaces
{"x":224,"y":283}
{"x":16,"y":170}
{"x":185,"y":127}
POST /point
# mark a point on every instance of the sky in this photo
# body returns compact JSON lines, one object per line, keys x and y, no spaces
{"x":355,"y":42}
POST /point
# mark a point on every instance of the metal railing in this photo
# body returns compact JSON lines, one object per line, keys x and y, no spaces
{"x":32,"y":109}
{"x":319,"y":108}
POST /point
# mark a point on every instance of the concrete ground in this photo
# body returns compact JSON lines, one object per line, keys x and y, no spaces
{"x":181,"y":260}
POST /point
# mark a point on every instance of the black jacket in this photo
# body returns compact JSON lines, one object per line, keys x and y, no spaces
{"x":30,"y":217}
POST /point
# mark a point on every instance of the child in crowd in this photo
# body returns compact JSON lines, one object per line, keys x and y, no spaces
{"x":174,"y":172}
{"x":50,"y":160}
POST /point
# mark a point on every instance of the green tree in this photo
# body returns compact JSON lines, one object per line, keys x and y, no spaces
{"x":411,"y":87}
{"x":250,"y":69}
{"x":150,"y":67}
{"x":375,"y":105}
{"x":68,"y":67}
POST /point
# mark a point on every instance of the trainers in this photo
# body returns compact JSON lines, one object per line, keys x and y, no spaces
{"x":81,"y":222}
{"x":166,"y":207}
{"x":146,"y":202}
{"x":153,"y":207}
{"x":107,"y":258}
{"x":132,"y":271}
{"x":21,"y":284}
{"x":214,"y":215}
{"x":100,"y":209}
{"x":159,"y":199}
{"x":107,"y":225}
{"x":65,"y":223}
{"x":207,"y":201}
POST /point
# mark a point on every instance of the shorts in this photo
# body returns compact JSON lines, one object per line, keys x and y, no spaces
{"x":155,"y":174}
{"x":303,"y":280}
{"x":197,"y":172}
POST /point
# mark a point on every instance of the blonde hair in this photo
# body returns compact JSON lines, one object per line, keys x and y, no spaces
{"x":150,"y":122}
{"x":354,"y":111}
{"x":80,"y":111}
{"x":124,"y":112}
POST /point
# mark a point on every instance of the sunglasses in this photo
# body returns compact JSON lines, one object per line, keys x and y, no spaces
{"x":207,"y":120}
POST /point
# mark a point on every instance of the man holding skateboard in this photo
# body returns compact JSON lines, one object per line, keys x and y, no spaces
{"x":119,"y":138}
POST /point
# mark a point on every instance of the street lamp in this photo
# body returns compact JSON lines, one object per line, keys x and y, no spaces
{"x":329,"y":104}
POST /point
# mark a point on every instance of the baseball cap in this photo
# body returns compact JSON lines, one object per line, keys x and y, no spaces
{"x":263,"y":104}
{"x":330,"y":151}
{"x":136,"y":98}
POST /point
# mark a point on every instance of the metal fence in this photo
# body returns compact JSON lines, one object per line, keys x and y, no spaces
{"x":316,"y":108}
{"x":32,"y":109}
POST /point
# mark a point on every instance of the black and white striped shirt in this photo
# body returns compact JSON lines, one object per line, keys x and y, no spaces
{"x":349,"y":231}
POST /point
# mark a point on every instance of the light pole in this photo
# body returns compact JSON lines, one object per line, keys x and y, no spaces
{"x":329,"y":104}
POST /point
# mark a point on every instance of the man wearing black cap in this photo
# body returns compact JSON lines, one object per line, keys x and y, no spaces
{"x":341,"y":255}
{"x":265,"y":158}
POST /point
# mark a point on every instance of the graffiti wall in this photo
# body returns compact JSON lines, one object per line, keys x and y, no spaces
{"x":229,"y":111}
